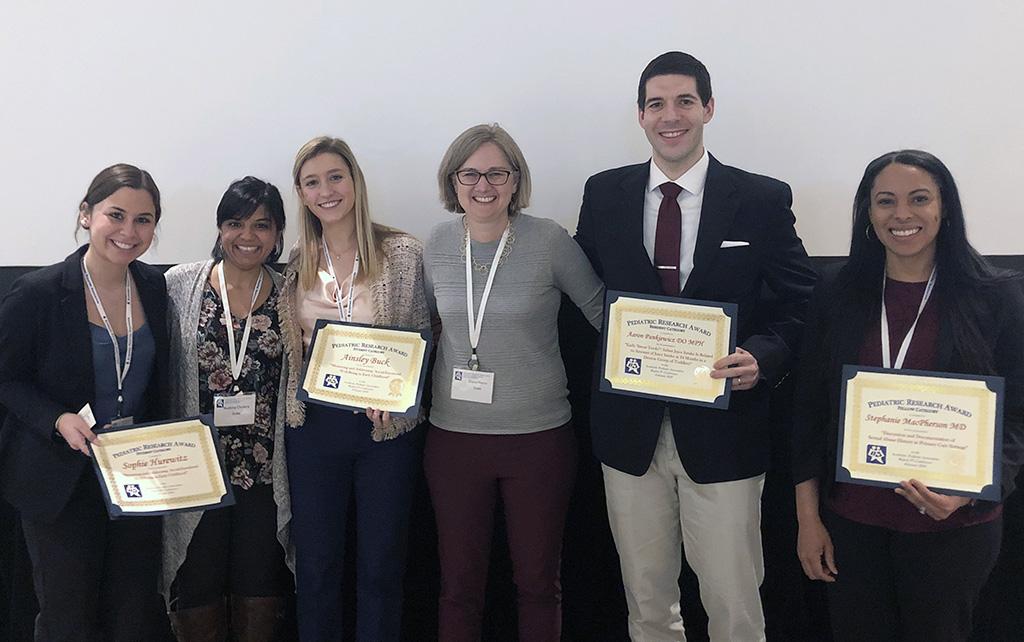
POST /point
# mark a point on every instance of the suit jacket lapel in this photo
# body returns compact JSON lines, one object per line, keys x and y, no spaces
{"x":631,"y":222}
{"x":718,"y":209}
{"x":74,"y":324}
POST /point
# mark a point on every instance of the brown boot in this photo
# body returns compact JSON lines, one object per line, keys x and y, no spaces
{"x":257,"y":619}
{"x":207,"y":623}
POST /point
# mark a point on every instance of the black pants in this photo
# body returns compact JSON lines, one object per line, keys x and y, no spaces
{"x":1000,"y":611}
{"x":908,"y":586}
{"x":96,"y":578}
{"x":234,"y":550}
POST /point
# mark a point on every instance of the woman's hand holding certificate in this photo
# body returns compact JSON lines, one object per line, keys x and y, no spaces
{"x":158,"y":468}
{"x":944,"y":430}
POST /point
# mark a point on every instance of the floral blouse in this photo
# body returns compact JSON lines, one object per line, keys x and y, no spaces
{"x":248,"y":450}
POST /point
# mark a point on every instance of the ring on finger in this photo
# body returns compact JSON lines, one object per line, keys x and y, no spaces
{"x":922,"y":510}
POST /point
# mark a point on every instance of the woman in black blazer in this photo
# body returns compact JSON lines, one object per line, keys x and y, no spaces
{"x":95,"y":578}
{"x":905,"y":563}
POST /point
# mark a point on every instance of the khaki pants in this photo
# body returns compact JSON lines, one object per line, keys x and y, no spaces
{"x":655,"y":515}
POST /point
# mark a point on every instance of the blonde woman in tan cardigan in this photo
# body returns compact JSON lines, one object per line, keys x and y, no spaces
{"x":345,"y":266}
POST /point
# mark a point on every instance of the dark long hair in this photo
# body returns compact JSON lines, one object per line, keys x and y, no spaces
{"x":962,"y":274}
{"x":241,"y":200}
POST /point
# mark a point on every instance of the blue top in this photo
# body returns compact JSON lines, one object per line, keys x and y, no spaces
{"x":104,"y":405}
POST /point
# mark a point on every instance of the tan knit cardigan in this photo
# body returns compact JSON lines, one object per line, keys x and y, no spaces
{"x":398,"y":300}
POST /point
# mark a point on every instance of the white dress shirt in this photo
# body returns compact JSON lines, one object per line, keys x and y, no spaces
{"x":690,"y":200}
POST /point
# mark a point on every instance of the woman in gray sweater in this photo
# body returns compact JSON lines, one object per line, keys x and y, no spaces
{"x":500,"y":420}
{"x":238,"y":551}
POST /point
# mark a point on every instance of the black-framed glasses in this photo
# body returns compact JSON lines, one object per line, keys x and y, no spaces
{"x":493,"y":176}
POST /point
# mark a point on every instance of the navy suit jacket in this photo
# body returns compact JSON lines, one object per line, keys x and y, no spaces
{"x":46,"y":369}
{"x":770,"y":280}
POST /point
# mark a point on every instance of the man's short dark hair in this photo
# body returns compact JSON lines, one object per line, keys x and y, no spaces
{"x":671,"y":63}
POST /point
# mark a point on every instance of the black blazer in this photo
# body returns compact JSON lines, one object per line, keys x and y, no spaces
{"x":714,"y":445}
{"x":46,"y":369}
{"x":835,"y":334}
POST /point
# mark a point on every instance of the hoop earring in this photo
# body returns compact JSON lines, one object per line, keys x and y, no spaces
{"x":867,"y":231}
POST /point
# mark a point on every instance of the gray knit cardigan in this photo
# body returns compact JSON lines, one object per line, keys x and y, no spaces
{"x":185,"y":286}
{"x":399,"y":300}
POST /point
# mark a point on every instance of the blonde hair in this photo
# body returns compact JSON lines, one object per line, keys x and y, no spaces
{"x":464,"y":146}
{"x":368,"y":233}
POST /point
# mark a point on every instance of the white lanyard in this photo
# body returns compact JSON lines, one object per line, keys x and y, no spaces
{"x":477,"y":323}
{"x":236,"y":358}
{"x":902,"y":355}
{"x":346,"y":312}
{"x":122,"y":373}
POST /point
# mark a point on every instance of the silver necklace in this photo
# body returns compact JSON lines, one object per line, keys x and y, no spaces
{"x":485,"y":266}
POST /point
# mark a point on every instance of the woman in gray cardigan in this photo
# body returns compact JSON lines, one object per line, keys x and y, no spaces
{"x":240,"y":551}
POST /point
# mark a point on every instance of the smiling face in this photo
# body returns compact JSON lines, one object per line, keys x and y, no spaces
{"x":906,"y":215}
{"x":325,"y":184}
{"x":673,"y":119}
{"x":121,"y":226}
{"x":484,"y":202}
{"x":246,"y":243}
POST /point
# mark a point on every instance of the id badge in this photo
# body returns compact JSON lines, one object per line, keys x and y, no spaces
{"x":234,"y":410}
{"x":472,"y":385}
{"x":86,"y":414}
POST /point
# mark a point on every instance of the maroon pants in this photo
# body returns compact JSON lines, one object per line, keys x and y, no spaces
{"x":534,"y":473}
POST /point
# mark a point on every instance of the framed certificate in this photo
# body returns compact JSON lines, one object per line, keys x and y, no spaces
{"x":161,"y":467}
{"x":357,"y":366}
{"x":663,"y":347}
{"x":945,"y":430}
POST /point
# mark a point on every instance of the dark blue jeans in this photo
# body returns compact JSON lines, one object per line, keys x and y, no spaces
{"x":330,"y":460}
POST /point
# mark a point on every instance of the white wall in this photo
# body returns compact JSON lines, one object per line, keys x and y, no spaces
{"x":201,"y":93}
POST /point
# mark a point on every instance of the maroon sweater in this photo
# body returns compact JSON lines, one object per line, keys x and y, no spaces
{"x":878,"y":506}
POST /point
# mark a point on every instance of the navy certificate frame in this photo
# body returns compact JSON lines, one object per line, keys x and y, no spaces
{"x":660,"y":347}
{"x":354,"y":366}
{"x":944,"y":429}
{"x":161,"y":467}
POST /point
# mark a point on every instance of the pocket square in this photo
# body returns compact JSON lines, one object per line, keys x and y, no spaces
{"x":726,"y":244}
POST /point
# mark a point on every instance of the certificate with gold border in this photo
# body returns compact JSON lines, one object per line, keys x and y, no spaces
{"x":159,"y":468}
{"x":357,"y":366}
{"x":944,"y":430}
{"x":663,"y":347}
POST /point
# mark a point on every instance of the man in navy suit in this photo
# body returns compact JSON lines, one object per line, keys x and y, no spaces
{"x":675,"y":474}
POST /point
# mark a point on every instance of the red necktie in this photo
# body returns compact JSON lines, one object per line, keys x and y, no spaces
{"x":667,"y":237}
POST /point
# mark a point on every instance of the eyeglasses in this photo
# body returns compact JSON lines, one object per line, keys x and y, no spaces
{"x":493,"y":176}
